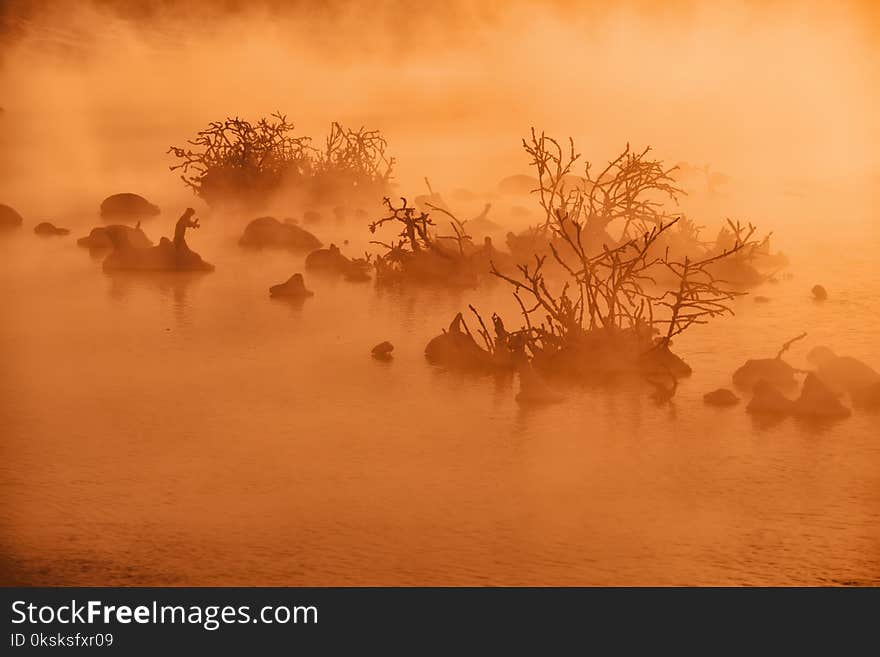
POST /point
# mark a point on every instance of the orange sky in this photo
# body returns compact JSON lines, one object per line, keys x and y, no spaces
{"x":763,"y":90}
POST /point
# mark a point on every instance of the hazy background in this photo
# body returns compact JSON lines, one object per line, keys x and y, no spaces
{"x":175,"y":429}
{"x":780,"y":96}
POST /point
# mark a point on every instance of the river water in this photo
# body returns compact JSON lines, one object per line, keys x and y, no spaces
{"x":189,"y":430}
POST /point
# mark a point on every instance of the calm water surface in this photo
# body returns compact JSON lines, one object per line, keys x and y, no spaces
{"x":189,"y":430}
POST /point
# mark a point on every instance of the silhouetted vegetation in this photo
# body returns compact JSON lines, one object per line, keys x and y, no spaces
{"x":235,"y":160}
{"x":606,"y":307}
{"x":419,"y":254}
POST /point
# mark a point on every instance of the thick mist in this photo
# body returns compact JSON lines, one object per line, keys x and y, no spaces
{"x":213,"y":410}
{"x":780,"y":97}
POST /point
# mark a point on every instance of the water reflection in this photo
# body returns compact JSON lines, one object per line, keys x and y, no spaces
{"x":302,"y":460}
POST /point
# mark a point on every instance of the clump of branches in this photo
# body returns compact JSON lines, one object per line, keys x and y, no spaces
{"x":631,"y":188}
{"x":414,"y":235}
{"x":355,"y":157}
{"x":608,"y":310}
{"x":235,"y":159}
{"x":699,"y":296}
{"x":736,"y":232}
{"x":418,"y":253}
{"x":606,"y":292}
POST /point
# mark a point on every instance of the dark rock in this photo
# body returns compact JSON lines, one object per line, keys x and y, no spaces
{"x":382,"y":351}
{"x":165,"y":256}
{"x":328,"y":260}
{"x":774,"y":371}
{"x":721,"y":397}
{"x":115,"y":236}
{"x":45,"y":228}
{"x":268,"y":232}
{"x":662,"y":360}
{"x":760,"y":299}
{"x":168,"y":255}
{"x":9,"y":218}
{"x":768,"y":400}
{"x":842,"y":373}
{"x":817,"y":401}
{"x":358,"y":272}
{"x":127,"y":206}
{"x":331,"y":261}
{"x":819,"y":293}
{"x":456,"y":349}
{"x":294,"y":287}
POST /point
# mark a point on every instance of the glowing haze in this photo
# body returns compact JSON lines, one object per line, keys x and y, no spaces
{"x":774,"y":91}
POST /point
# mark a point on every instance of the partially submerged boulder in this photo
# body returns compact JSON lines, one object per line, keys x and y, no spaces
{"x":842,"y":373}
{"x":9,"y":218}
{"x":165,"y":256}
{"x":819,"y":293}
{"x":767,"y":399}
{"x":382,"y":351}
{"x":115,"y":236}
{"x":818,"y":401}
{"x":268,"y":232}
{"x":293,"y":288}
{"x":46,"y":229}
{"x":456,"y":349}
{"x":328,"y":260}
{"x":773,"y":371}
{"x":331,"y":261}
{"x":168,"y":255}
{"x":721,"y":397}
{"x":127,"y":206}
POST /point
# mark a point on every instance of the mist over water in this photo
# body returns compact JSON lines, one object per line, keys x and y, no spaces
{"x":187,"y":429}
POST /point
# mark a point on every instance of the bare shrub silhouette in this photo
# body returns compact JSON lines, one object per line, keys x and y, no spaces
{"x":608,"y":308}
{"x":246,"y":162}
